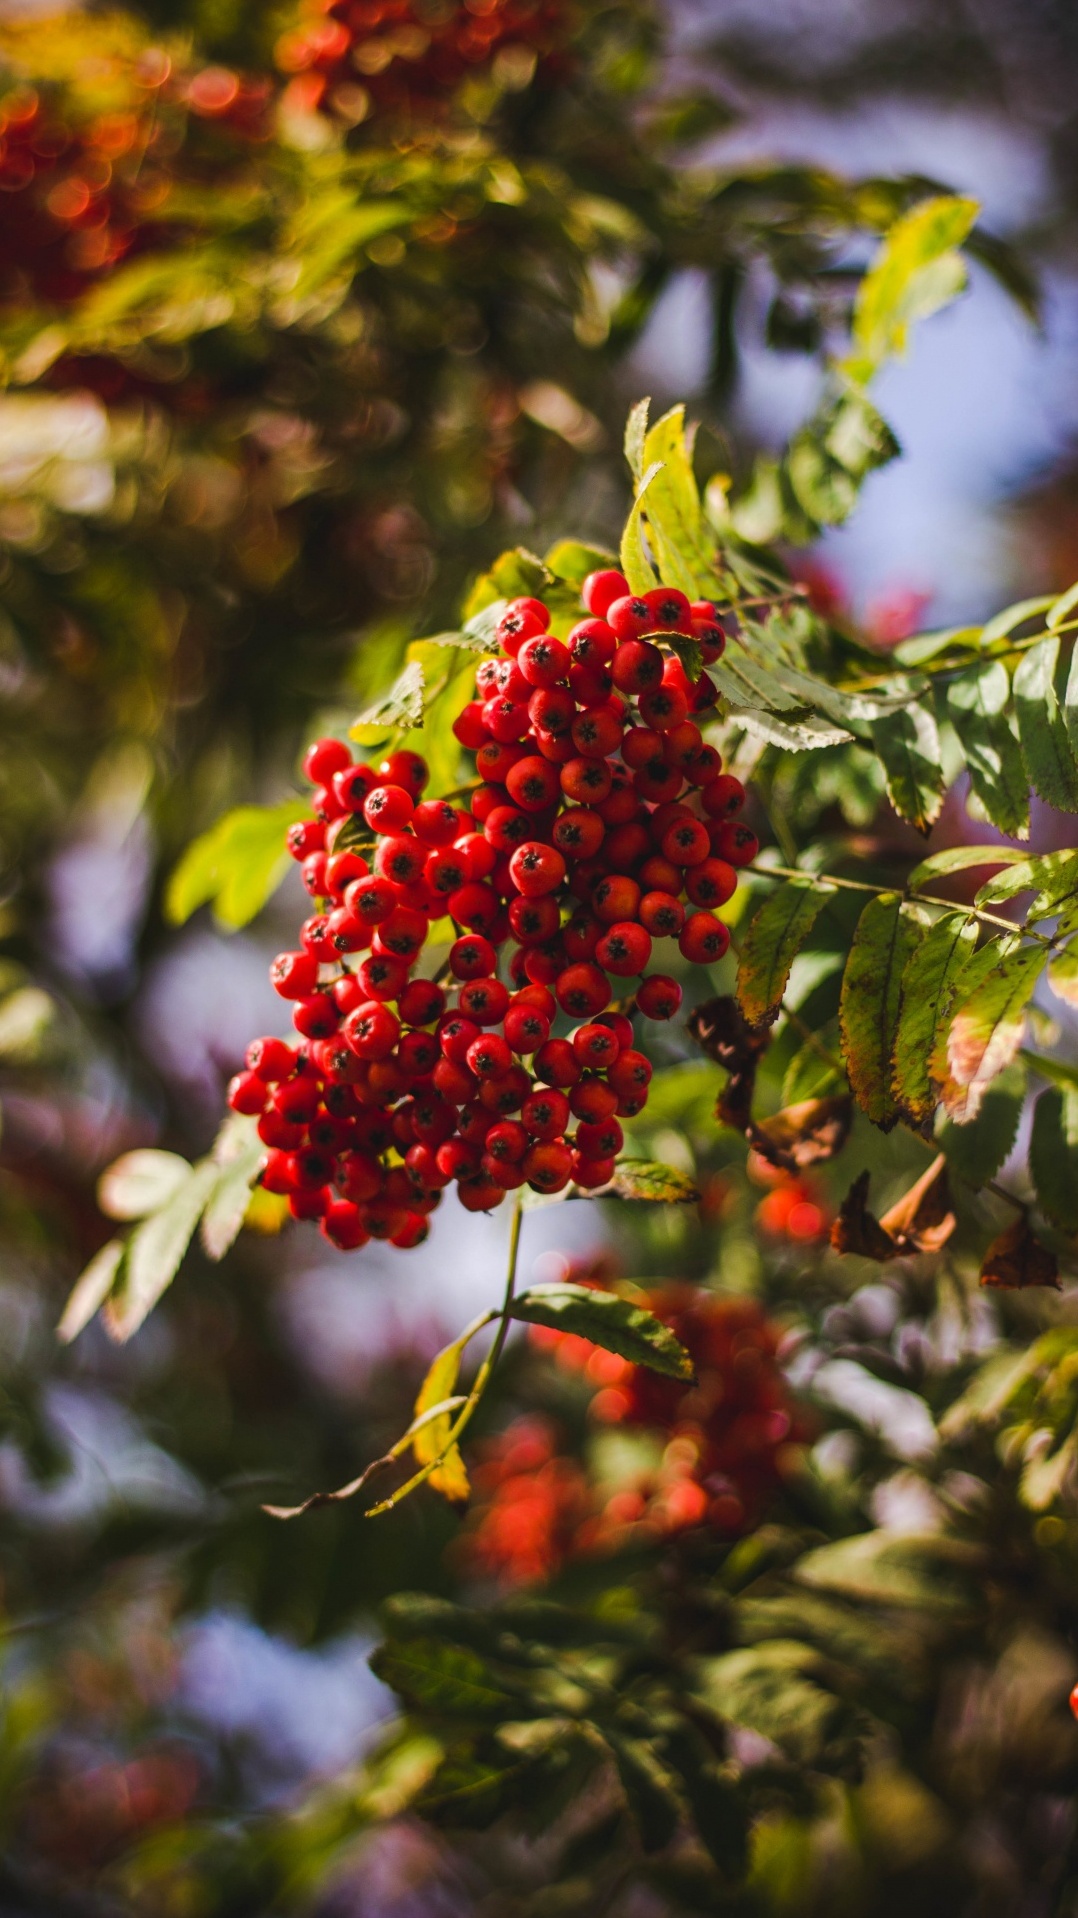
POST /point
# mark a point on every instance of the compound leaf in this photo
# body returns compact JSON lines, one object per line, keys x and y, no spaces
{"x":606,"y":1320}
{"x":773,"y":940}
{"x":883,"y":945}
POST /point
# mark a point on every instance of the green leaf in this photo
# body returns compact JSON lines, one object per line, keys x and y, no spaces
{"x":648,"y":1787}
{"x":238,"y":1154}
{"x":616,"y":1324}
{"x":450,"y":1478}
{"x":1053,"y":876}
{"x":140,"y":1182}
{"x":1063,"y":973}
{"x":908,"y":745}
{"x":939,"y":865}
{"x":236,"y":865}
{"x":468,"y":1790}
{"x":771,"y":1689}
{"x":1053,"y":1156}
{"x":155,"y":1250}
{"x":930,"y":1572}
{"x":774,"y":938}
{"x":90,"y":1290}
{"x":680,"y":537}
{"x":914,"y":272}
{"x":976,"y":1151}
{"x":398,"y":710}
{"x":1041,"y":727}
{"x":883,"y":944}
{"x":445,"y":1679}
{"x":1061,"y":607}
{"x":1008,"y":621}
{"x":987,"y":1027}
{"x":571,"y":559}
{"x":636,"y":428}
{"x":652,"y":1183}
{"x":715,"y":1800}
{"x":809,"y":1074}
{"x":925,"y":646}
{"x":635,"y":563}
{"x":977,"y":703}
{"x":927,"y":983}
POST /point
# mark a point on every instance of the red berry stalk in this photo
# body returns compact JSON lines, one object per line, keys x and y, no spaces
{"x":601,"y":823}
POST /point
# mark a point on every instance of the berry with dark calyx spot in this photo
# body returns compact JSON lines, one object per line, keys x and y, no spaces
{"x":502,"y":1172}
{"x":586,"y":782}
{"x":480,"y":1194}
{"x":507,"y":721}
{"x":405,"y":769}
{"x":526,"y":1028}
{"x":583,"y":991}
{"x":382,"y":977}
{"x":723,"y":796}
{"x":637,"y":667}
{"x":682,"y":745}
{"x":630,"y":1073}
{"x":533,"y":920}
{"x":247,"y":1093}
{"x":533,"y":783}
{"x":316,"y":937}
{"x":547,"y":1167}
{"x":371,"y":1030}
{"x":506,"y":1094}
{"x":315,"y":877}
{"x":614,"y":898}
{"x":421,"y":1002}
{"x":710,"y":638}
{"x":704,"y":940}
{"x":468,"y":727}
{"x":536,"y":869}
{"x":591,"y":685}
{"x":510,"y":682}
{"x":595,"y":1046}
{"x":664,"y":709}
{"x":271,"y":1059}
{"x":282,"y":1134}
{"x":436,"y":822}
{"x":735,"y":843}
{"x":706,"y":766}
{"x":599,"y":1139}
{"x":545,"y":1114}
{"x":686,"y":843}
{"x":472,"y":957}
{"x":446,"y":870}
{"x":551,"y":710}
{"x":670,"y":610}
{"x":544,"y":661}
{"x":597,"y":733}
{"x":507,"y":827}
{"x":628,"y":617}
{"x":371,"y":899}
{"x":316,"y":1017}
{"x":489,"y":1056}
{"x":507,"y":1141}
{"x":399,"y":859}
{"x":592,"y":643}
{"x":556,"y":1064}
{"x":388,"y":809}
{"x":711,"y":883}
{"x":485,"y":1001}
{"x":351,"y":787}
{"x":475,"y":906}
{"x":344,"y":867}
{"x":593,"y":1099}
{"x":306,"y":836}
{"x":601,"y":589}
{"x":403,"y":933}
{"x":578,"y":832}
{"x":659,"y":996}
{"x":662,"y":914}
{"x":294,"y":974}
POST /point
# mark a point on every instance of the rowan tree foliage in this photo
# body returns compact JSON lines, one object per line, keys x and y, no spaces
{"x":734,"y":1571}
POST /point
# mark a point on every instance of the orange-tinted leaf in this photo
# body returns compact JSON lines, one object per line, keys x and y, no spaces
{"x":1018,"y":1260}
{"x":923,"y":1219}
{"x":805,"y":1134}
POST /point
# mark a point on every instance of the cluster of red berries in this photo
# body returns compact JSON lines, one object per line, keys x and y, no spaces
{"x":399,"y":55}
{"x":575,"y":854}
{"x":726,"y":1447}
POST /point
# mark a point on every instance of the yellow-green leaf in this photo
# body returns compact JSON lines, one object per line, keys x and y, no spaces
{"x":450,"y":1477}
{"x":927,"y":983}
{"x":1046,"y":747}
{"x":915,"y":271}
{"x":986,"y":1030}
{"x":606,"y":1320}
{"x":774,"y":938}
{"x":883,"y":944}
{"x":236,"y":865}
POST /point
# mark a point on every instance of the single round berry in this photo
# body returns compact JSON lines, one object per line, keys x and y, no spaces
{"x":472,"y":957}
{"x":271,"y":1059}
{"x":544,"y":661}
{"x":547,"y":1167}
{"x":294,"y":974}
{"x":371,"y":1030}
{"x":325,"y":758}
{"x":595,"y":1046}
{"x":583,"y":991}
{"x":659,"y":997}
{"x":405,"y":769}
{"x":625,"y":949}
{"x":601,"y":589}
{"x":638,"y":667}
{"x":536,"y":869}
{"x":735,"y":843}
{"x":533,"y":783}
{"x":704,"y":940}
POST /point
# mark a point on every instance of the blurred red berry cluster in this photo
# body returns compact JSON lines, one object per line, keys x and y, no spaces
{"x":726,"y":1440}
{"x":398,"y":55}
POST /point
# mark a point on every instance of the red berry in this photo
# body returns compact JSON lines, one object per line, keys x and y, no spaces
{"x":502,"y":1172}
{"x":711,"y":883}
{"x":342,"y":1224}
{"x":351,"y":787}
{"x":271,"y":1059}
{"x":455,"y":1034}
{"x":592,"y":644}
{"x":468,"y":727}
{"x":472,"y":957}
{"x":625,"y":950}
{"x":686,"y":842}
{"x":399,"y":859}
{"x":551,"y":710}
{"x":371,"y":1030}
{"x":536,"y":869}
{"x":436,"y":822}
{"x":306,"y":836}
{"x":591,"y":685}
{"x":316,"y":1017}
{"x":544,"y":661}
{"x":533,"y":783}
{"x":556,"y":1064}
{"x":531,"y":921}
{"x":682,"y":746}
{"x":583,"y":991}
{"x":593,"y":1099}
{"x":628,"y":617}
{"x":723,"y":796}
{"x":586,"y":781}
{"x":638,"y":666}
{"x":614,"y":898}
{"x":664,"y":709}
{"x":405,"y":769}
{"x":489,"y":1056}
{"x":599,"y":1139}
{"x":622,"y":803}
{"x":388,"y":809}
{"x":659,"y":997}
{"x":670,"y":610}
{"x":620,"y":1026}
{"x":704,"y":939}
{"x":507,"y":1141}
{"x":526,"y":1028}
{"x":660,"y":875}
{"x":578,"y":833}
{"x":480,"y":1194}
{"x":595,"y":1046}
{"x":736,"y":843}
{"x":324,"y":758}
{"x":475,"y":906}
{"x":505,"y":1093}
{"x":706,"y":766}
{"x":294,"y":974}
{"x":601,"y":589}
{"x":658,"y":782}
{"x":662,"y":914}
{"x":630,"y":1073}
{"x":382,"y":977}
{"x":590,"y":1174}
{"x":247,"y":1093}
{"x":597,"y":732}
{"x":485,"y":1001}
{"x":479,"y":854}
{"x":506,"y":721}
{"x":547,"y":1167}
{"x":276,"y":1174}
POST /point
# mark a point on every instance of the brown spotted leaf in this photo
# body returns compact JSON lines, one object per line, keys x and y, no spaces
{"x":886,"y":936}
{"x":722,"y":1034}
{"x":1018,"y":1260}
{"x":805,"y":1134}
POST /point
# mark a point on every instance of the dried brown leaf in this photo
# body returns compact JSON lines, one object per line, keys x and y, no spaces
{"x":1018,"y":1260}
{"x":805,"y":1134}
{"x":923,"y":1218}
{"x":722,"y":1035}
{"x":857,"y":1230}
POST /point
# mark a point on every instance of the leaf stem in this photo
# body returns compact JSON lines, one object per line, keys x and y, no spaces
{"x":482,"y":1377}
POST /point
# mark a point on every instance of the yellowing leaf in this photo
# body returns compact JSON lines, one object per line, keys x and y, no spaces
{"x":883,"y":944}
{"x":915,"y":271}
{"x":927,"y":983}
{"x":987,"y":1027}
{"x":450,"y":1477}
{"x":775,"y":936}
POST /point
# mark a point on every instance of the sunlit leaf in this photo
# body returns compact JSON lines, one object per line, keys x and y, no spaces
{"x":775,"y":936}
{"x":977,"y":706}
{"x":908,"y":745}
{"x":987,"y":1027}
{"x":155,"y":1250}
{"x":885,"y":939}
{"x":652,"y":1183}
{"x":236,"y":865}
{"x":140,"y":1182}
{"x":1042,"y":730}
{"x":1053,"y":1156}
{"x":432,"y":1439}
{"x":606,"y":1320}
{"x":927,"y":983}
